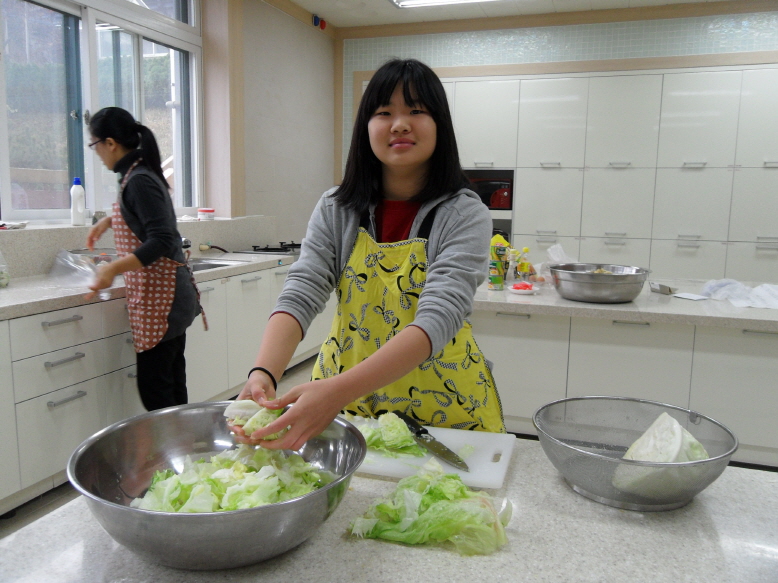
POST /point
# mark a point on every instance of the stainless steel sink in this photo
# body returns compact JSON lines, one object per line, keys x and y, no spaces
{"x":203,"y":263}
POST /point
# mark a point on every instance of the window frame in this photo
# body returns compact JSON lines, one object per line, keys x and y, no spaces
{"x":142,"y":23}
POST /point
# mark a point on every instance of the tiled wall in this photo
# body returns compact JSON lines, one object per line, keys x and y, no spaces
{"x":650,"y":38}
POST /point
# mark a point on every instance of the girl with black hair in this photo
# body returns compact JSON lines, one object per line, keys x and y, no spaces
{"x":162,"y":297}
{"x":404,"y":245}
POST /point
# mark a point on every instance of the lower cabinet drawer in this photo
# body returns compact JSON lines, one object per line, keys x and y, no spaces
{"x":50,"y":427}
{"x":48,"y":372}
{"x":119,"y":352}
{"x":121,"y":396}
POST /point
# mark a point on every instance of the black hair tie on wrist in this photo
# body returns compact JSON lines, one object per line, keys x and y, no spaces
{"x":268,"y":373}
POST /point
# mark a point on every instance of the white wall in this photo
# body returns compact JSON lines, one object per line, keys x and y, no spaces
{"x":289,"y":111}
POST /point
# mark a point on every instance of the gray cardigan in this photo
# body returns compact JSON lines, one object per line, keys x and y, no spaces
{"x":457,"y":256}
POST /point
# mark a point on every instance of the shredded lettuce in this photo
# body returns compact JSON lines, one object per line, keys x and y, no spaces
{"x":234,"y":479}
{"x":433,"y":507}
{"x":251,"y":416}
{"x":664,"y":441}
{"x":391,"y":436}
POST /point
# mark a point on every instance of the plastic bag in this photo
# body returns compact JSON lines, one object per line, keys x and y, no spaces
{"x":555,"y":254}
{"x":5,"y":274}
{"x":71,"y":270}
{"x":741,"y":295}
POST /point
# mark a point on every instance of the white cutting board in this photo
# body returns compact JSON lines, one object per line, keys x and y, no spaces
{"x":488,"y":462}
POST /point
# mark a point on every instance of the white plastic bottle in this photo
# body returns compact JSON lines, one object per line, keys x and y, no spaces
{"x":77,"y":203}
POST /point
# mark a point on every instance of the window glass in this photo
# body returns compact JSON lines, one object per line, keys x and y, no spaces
{"x":166,"y":111}
{"x":177,"y":9}
{"x":42,"y":79}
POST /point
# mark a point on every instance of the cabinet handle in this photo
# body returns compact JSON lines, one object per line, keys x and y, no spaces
{"x":512,"y":315}
{"x":282,"y":272}
{"x":542,"y":232}
{"x":773,"y":247}
{"x":766,"y":238}
{"x":615,"y":243}
{"x":128,"y":340}
{"x":78,"y":395}
{"x":694,"y":164}
{"x":207,"y":289}
{"x":771,"y":163}
{"x":627,"y":323}
{"x":488,"y":164}
{"x":746,"y":331}
{"x":76,"y":356}
{"x":551,"y":164}
{"x":690,"y":236}
{"x":132,"y":375}
{"x":250,"y":279}
{"x":690,"y":245}
{"x":607,"y":234}
{"x":75,"y":318}
{"x":620,"y":164}
{"x":545,"y":240}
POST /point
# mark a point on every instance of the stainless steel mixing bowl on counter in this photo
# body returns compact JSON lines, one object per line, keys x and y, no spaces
{"x":116,"y":465}
{"x":601,"y":283}
{"x":586,"y":438}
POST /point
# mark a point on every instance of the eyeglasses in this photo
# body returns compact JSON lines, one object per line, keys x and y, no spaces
{"x":93,"y":144}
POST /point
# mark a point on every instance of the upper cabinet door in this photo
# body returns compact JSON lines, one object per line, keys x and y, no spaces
{"x":486,"y":118}
{"x":552,"y":123}
{"x":699,"y":119}
{"x":622,"y":125}
{"x":757,"y":145}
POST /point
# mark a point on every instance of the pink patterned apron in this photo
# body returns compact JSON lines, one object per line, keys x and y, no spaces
{"x":151,"y":289}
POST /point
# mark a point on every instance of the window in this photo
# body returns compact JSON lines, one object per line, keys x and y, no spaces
{"x":134,"y":57}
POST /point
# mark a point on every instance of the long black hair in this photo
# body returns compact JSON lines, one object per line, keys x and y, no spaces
{"x":362,"y":182}
{"x":118,"y":123}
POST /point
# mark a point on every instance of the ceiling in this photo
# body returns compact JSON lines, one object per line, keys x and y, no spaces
{"x":346,"y":13}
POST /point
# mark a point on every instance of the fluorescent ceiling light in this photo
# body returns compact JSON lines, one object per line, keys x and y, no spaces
{"x":419,"y":3}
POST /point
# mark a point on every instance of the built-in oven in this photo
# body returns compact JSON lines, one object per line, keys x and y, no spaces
{"x":495,"y":189}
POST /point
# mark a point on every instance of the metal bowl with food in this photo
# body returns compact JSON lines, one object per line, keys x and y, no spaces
{"x":586,"y":439}
{"x":601,"y":283}
{"x":116,"y":465}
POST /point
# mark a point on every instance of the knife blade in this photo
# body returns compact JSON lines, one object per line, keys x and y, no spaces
{"x":428,"y":442}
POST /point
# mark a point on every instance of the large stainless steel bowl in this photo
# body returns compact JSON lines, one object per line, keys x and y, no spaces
{"x":116,"y":465}
{"x":586,"y":438}
{"x":577,"y":281}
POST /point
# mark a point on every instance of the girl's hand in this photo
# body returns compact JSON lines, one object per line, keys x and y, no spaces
{"x":316,"y":405}
{"x":103,"y":278}
{"x":259,"y":388}
{"x":97,"y":231}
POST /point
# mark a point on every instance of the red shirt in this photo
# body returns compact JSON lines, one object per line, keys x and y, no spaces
{"x":393,"y":219}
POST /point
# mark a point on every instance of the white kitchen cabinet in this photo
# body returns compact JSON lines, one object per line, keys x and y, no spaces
{"x":699,"y":119}
{"x":530,"y":354}
{"x":206,"y":352}
{"x":552,"y":123}
{"x":116,"y":319}
{"x":733,"y":381}
{"x":692,"y":204}
{"x":248,"y":308}
{"x":40,"y":333}
{"x":753,"y":262}
{"x":486,"y":119}
{"x":754,"y":205}
{"x":122,"y":400}
{"x":630,"y":359}
{"x":758,"y":121}
{"x":9,"y":453}
{"x":539,"y":245}
{"x":450,"y":88}
{"x":547,"y":201}
{"x":622,"y":126}
{"x":688,"y":259}
{"x":618,"y":202}
{"x":615,"y":250}
{"x":51,"y":426}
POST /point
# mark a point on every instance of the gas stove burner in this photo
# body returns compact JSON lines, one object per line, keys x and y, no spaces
{"x":283,"y":247}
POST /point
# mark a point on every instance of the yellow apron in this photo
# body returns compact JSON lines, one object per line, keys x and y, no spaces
{"x":378,"y":293}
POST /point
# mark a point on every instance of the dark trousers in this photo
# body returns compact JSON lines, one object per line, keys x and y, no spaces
{"x":162,"y":374}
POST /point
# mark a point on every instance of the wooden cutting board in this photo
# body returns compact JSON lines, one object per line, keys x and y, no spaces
{"x":488,"y":461}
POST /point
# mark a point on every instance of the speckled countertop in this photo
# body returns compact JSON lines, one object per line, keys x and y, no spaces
{"x":37,"y":294}
{"x":647,"y":307}
{"x":726,"y":534}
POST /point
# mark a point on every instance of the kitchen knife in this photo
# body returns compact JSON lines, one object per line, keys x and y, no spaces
{"x":424,"y":439}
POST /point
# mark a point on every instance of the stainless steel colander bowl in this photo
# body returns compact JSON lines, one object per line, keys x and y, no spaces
{"x":586,"y":437}
{"x":600,"y":283}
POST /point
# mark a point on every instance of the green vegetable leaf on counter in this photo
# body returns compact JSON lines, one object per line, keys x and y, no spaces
{"x":664,"y":441}
{"x":433,"y":507}
{"x":234,"y":479}
{"x":389,"y":435}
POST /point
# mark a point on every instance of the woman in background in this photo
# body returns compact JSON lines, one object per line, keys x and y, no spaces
{"x":162,"y":298}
